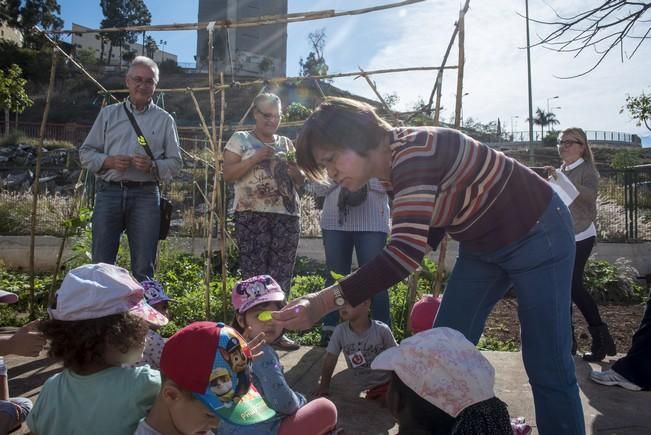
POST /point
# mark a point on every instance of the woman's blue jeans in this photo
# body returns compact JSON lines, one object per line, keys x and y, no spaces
{"x":339,"y":258}
{"x":540,"y":268}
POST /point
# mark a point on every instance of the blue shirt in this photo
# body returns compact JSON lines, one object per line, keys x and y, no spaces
{"x":269,"y":380}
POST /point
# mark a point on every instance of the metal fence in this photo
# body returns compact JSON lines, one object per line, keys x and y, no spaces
{"x":624,"y":205}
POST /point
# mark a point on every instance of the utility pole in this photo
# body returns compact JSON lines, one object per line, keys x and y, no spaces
{"x":531,"y":153}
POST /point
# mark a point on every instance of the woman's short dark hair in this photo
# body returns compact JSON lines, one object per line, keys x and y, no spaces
{"x":336,"y":124}
{"x":80,"y":343}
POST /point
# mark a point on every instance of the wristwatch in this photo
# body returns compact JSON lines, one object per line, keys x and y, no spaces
{"x":339,"y":296}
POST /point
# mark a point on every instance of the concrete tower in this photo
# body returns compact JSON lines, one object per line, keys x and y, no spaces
{"x":259,"y":51}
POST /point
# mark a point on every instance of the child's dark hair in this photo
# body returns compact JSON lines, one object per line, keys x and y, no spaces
{"x":83,"y":342}
{"x":416,"y":415}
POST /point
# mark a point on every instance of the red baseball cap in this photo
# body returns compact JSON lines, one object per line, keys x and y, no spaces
{"x":423,"y":313}
{"x":213,"y":361}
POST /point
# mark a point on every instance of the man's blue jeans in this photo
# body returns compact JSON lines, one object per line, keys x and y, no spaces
{"x":131,"y":209}
{"x":540,"y":268}
{"x":339,"y":258}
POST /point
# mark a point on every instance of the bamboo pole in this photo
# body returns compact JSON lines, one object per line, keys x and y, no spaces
{"x":74,"y":210}
{"x":262,"y":89}
{"x":35,"y":183}
{"x":438,"y":282}
{"x":204,"y":127}
{"x":211,"y":208}
{"x":384,"y":103}
{"x":439,"y":76}
{"x":56,"y":47}
{"x":278,"y":80}
{"x":222,"y":209}
{"x":245,"y":22}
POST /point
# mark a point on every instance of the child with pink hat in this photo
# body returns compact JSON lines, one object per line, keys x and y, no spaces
{"x":253,"y":300}
{"x":97,"y":323}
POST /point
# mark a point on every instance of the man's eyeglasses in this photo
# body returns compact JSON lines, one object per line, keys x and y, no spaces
{"x":268,"y":116}
{"x":567,"y":143}
{"x":140,"y":81}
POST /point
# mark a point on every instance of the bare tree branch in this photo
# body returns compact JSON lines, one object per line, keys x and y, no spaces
{"x":604,"y":28}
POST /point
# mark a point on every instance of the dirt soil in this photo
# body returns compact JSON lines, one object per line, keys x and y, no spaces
{"x":622,"y":320}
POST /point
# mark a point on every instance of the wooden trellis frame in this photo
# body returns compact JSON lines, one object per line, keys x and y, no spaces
{"x":217,"y":198}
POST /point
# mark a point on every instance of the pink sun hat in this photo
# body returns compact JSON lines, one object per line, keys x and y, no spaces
{"x":255,"y":291}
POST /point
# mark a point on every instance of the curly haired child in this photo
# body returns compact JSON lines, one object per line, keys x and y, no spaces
{"x":98,"y":322}
{"x":253,"y":299}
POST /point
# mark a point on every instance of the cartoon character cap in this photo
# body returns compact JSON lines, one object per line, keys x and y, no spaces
{"x":154,"y":292}
{"x":213,"y":361}
{"x":255,"y":291}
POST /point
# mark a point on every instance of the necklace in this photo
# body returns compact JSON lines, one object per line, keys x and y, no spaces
{"x":273,"y":142}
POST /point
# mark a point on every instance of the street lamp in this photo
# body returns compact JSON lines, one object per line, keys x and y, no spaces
{"x":550,"y":98}
{"x":512,"y":118}
{"x":162,"y":44}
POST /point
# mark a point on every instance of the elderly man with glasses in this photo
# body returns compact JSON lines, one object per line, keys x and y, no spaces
{"x":127,"y":179}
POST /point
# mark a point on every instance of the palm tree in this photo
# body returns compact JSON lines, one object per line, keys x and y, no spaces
{"x":544,"y":119}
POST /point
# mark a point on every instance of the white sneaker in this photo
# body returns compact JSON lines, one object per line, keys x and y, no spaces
{"x":611,"y":377}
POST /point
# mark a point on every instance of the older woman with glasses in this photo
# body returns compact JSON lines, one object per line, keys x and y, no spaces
{"x":578,"y":167}
{"x":266,"y":209}
{"x":511,"y":227}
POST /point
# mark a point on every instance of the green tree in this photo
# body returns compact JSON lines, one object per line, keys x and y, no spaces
{"x":626,"y":158}
{"x":86,"y":56}
{"x":150,"y":47}
{"x":543,"y":119}
{"x":13,"y":97}
{"x":640,"y":109}
{"x":122,"y":13}
{"x":315,"y":64}
{"x":43,"y":13}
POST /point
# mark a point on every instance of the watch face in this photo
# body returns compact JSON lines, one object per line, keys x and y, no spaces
{"x":339,"y":301}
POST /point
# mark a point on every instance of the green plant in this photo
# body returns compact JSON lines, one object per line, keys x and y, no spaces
{"x":612,"y":283}
{"x":296,"y":112}
{"x":494,"y":344}
{"x":626,"y":158}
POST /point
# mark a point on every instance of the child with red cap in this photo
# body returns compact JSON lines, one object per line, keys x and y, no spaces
{"x":206,"y":371}
{"x":253,"y":300}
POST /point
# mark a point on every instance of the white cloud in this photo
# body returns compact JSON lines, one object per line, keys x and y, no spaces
{"x":495,"y":75}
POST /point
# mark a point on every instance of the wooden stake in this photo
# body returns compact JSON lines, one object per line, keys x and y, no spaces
{"x":246,"y":22}
{"x":443,"y":247}
{"x":35,"y":184}
{"x":56,"y":47}
{"x":211,"y":67}
{"x":384,"y":103}
{"x":204,"y":127}
{"x":222,"y":190}
{"x":278,"y":80}
{"x":251,"y":105}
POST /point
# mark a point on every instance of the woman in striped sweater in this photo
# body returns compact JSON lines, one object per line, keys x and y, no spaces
{"x":512,"y":229}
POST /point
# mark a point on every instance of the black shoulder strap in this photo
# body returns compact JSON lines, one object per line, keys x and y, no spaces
{"x":142,"y":140}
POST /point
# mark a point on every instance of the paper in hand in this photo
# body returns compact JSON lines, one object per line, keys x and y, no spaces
{"x":564,"y":188}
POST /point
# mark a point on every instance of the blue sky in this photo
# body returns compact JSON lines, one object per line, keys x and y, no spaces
{"x":417,"y":35}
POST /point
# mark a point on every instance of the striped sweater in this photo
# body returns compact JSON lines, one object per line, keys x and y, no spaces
{"x":444,"y":181}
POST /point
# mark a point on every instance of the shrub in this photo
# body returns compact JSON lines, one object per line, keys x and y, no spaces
{"x":613,"y":283}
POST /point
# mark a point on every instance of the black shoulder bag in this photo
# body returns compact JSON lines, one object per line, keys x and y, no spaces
{"x":166,"y":207}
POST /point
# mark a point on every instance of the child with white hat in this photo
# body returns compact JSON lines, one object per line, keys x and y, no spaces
{"x":442,"y":385}
{"x":98,"y":322}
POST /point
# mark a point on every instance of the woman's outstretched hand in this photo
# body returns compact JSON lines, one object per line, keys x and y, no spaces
{"x":302,"y":313}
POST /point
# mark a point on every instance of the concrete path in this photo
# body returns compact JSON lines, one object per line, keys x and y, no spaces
{"x":608,"y":410}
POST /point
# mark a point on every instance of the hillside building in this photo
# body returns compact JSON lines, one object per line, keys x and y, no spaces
{"x":255,"y":52}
